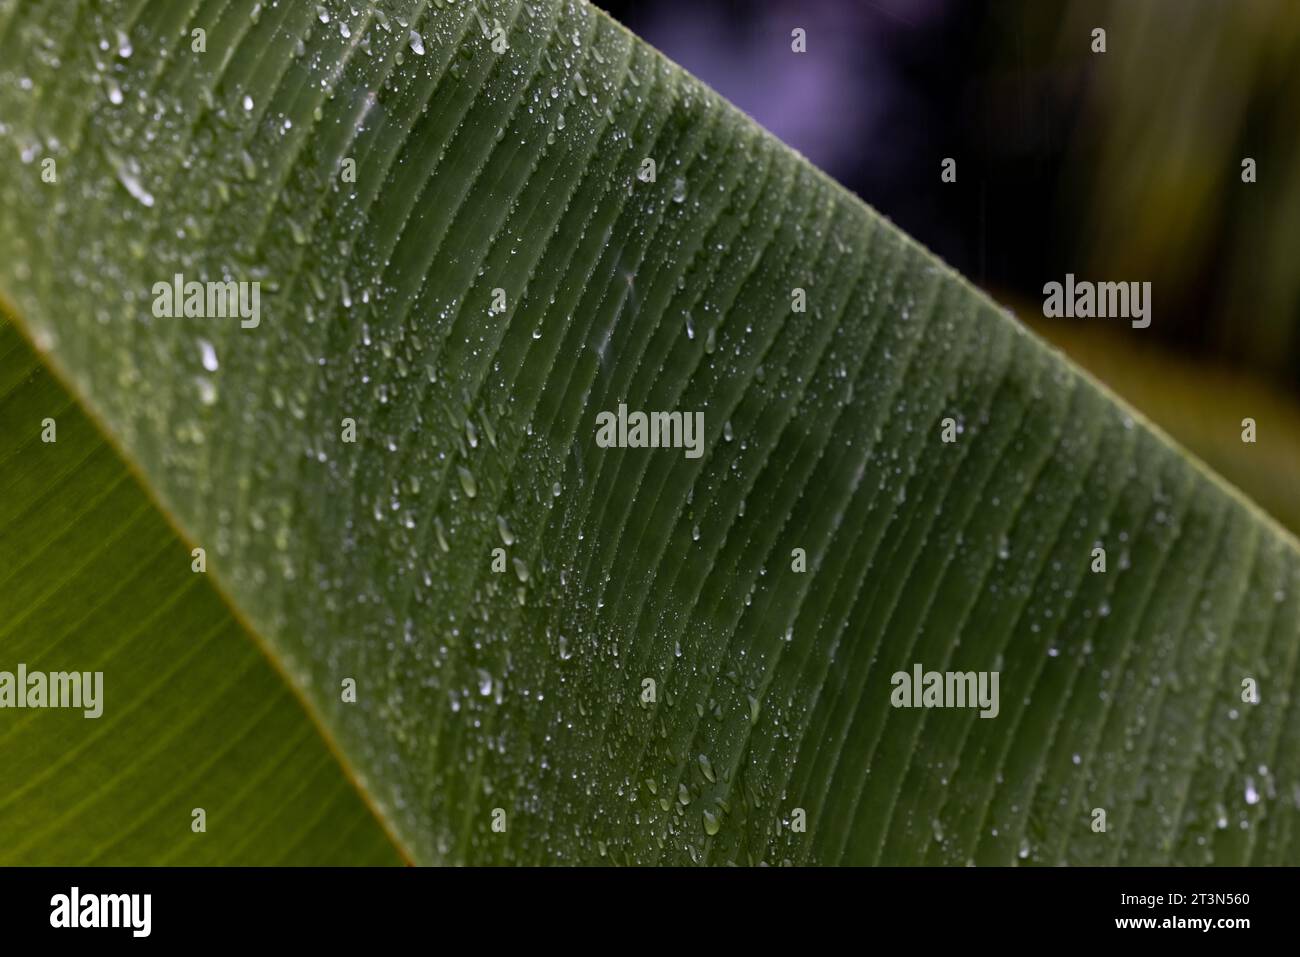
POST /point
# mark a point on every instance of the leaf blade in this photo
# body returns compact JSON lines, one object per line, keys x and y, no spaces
{"x":521,"y":691}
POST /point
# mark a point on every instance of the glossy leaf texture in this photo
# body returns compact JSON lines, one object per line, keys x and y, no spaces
{"x":501,"y":269}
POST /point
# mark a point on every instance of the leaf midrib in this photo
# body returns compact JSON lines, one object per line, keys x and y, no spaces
{"x":213,"y":578}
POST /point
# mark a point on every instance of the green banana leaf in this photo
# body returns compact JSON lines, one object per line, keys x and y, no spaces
{"x":438,"y":620}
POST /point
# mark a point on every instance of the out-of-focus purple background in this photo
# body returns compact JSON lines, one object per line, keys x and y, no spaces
{"x":886,"y":90}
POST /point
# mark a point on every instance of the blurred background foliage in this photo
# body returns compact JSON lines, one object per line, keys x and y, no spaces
{"x":1123,"y":166}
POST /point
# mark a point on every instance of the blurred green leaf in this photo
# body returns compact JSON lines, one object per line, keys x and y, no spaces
{"x":1202,"y":406}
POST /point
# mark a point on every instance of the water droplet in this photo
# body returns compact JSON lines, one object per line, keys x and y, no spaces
{"x":207,"y":391}
{"x":209,"y":355}
{"x":467,"y":482}
{"x":507,"y":536}
{"x":417,"y":44}
{"x":128,"y":175}
{"x":711,"y":823}
{"x":707,"y":768}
